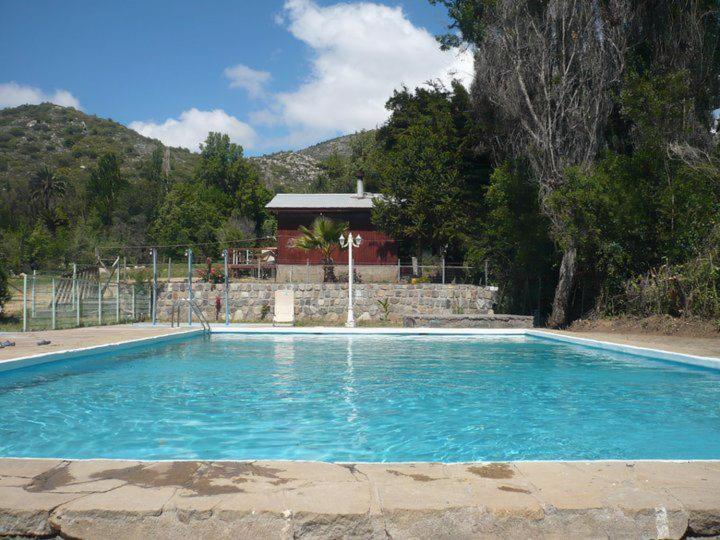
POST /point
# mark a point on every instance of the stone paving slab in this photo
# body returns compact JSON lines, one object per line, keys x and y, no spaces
{"x":277,"y":499}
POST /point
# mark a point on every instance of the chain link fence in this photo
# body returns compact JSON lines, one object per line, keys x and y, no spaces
{"x":50,"y":302}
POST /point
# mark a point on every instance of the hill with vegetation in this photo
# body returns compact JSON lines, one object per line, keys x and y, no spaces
{"x":309,"y":169}
{"x":70,"y":141}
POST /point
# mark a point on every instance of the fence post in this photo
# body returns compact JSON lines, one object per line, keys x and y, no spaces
{"x":99,"y":302}
{"x":398,"y":278}
{"x":169,"y":269}
{"x":32,"y":306}
{"x":154,"y":287}
{"x":77,"y":305}
{"x":25,"y":301}
{"x":486,"y":274}
{"x":307,"y":271}
{"x":190,"y":291}
{"x":133,"y":301}
{"x":74,"y":283}
{"x":117,"y":297}
{"x":443,"y":270}
{"x":227,"y":288}
{"x":53,"y":304}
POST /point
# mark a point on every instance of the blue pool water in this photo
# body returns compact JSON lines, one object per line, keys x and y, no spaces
{"x":358,"y":398}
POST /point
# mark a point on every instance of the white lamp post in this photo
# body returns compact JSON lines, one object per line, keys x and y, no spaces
{"x":350,"y":243}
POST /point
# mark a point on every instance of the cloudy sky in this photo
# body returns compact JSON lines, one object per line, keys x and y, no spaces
{"x":273,"y":74}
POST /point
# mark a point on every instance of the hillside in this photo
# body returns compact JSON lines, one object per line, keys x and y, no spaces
{"x":287,"y":171}
{"x":71,"y":141}
{"x":298,"y":171}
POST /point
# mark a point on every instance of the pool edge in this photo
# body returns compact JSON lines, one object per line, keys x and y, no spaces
{"x":219,"y":329}
{"x":44,"y":358}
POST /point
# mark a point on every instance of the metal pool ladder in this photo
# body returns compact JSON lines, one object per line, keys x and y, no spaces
{"x":195,"y":309}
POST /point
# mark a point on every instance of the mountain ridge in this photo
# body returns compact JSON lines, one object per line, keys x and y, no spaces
{"x":70,"y":140}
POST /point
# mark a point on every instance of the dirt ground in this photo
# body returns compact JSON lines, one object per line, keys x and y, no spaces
{"x":657,"y":325}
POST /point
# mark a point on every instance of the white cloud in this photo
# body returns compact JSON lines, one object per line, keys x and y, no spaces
{"x":193,"y":126}
{"x":252,"y":80}
{"x":361,"y":52}
{"x":13,"y":94}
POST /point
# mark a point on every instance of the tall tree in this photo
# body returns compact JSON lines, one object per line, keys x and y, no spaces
{"x":223,"y":167}
{"x":548,"y":70}
{"x":105,"y":185}
{"x":426,"y":198}
{"x":46,"y":186}
{"x":219,"y":160}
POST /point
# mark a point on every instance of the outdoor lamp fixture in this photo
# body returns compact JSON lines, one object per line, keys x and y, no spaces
{"x":350,"y":244}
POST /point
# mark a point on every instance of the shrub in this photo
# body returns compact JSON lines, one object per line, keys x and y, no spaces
{"x":690,"y":289}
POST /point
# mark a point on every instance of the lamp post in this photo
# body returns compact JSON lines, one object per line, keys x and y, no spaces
{"x":153,"y":252}
{"x":227,"y":288}
{"x":189,"y":255}
{"x":350,"y":244}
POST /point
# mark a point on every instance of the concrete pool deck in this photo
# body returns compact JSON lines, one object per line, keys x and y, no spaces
{"x":205,"y":499}
{"x":279,"y":499}
{"x":76,"y":338}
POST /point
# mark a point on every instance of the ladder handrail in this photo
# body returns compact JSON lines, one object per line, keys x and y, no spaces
{"x":192,"y":304}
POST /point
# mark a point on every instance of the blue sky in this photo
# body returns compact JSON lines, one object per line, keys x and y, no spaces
{"x":274,"y":74}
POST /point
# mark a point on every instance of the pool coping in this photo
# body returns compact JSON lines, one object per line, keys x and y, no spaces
{"x":250,"y":329}
{"x":252,"y":499}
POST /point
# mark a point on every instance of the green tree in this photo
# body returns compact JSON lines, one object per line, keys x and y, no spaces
{"x":513,"y":238}
{"x":222,"y":167}
{"x":323,"y":236}
{"x":220,"y":162}
{"x":252,"y":196}
{"x":189,"y":216}
{"x":105,"y":185}
{"x":427,"y":196}
{"x":46,"y":186}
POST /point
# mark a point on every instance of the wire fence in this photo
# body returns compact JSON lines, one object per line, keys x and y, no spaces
{"x":116,"y":291}
{"x":57,"y":302}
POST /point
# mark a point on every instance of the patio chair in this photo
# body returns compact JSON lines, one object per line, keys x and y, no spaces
{"x":284,"y":308}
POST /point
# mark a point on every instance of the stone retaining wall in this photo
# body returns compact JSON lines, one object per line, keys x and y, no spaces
{"x":327,"y":302}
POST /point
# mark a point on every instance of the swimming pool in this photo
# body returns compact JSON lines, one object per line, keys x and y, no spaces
{"x":361,"y":398}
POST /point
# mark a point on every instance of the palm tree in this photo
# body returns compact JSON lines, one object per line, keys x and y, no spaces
{"x":323,"y":235}
{"x":45,"y":186}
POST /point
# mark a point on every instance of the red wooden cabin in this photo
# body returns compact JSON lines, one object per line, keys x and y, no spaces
{"x":294,"y":210}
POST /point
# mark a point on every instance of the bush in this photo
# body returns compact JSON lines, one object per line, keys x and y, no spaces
{"x":690,"y":289}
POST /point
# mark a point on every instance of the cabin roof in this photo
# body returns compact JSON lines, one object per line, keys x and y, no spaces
{"x":317,"y":201}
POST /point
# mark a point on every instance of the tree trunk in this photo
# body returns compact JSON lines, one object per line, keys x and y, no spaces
{"x":561,"y":302}
{"x":329,"y":271}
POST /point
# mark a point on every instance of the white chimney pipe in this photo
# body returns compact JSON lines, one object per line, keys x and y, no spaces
{"x":360,"y":188}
